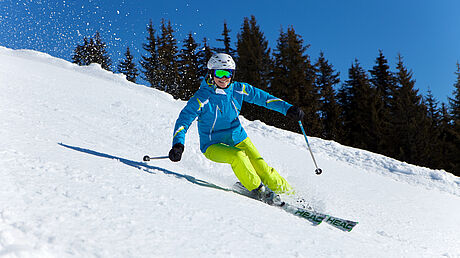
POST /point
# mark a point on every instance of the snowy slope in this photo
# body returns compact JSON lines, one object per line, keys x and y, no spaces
{"x":72,"y":184}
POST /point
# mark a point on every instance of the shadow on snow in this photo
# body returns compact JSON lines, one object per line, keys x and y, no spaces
{"x":147,"y":168}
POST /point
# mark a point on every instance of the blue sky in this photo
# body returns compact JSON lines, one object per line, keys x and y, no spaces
{"x":426,"y":33}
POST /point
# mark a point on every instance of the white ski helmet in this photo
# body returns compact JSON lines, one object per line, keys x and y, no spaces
{"x":221,"y":61}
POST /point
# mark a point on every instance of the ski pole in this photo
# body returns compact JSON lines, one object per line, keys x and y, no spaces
{"x":318,"y":171}
{"x":147,"y":158}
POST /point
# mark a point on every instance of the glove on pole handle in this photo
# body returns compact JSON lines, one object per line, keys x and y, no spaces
{"x":147,"y":158}
{"x":318,"y":171}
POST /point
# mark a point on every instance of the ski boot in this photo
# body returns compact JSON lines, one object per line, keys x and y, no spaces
{"x":267,"y":196}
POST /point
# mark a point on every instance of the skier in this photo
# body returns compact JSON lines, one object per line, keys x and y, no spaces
{"x":217,"y":104}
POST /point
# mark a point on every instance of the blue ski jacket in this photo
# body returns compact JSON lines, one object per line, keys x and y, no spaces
{"x":217,"y":111}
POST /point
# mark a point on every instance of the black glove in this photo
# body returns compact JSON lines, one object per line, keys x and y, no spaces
{"x":175,"y":154}
{"x":295,"y":113}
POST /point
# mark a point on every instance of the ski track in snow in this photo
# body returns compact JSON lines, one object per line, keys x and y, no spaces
{"x":72,"y":183}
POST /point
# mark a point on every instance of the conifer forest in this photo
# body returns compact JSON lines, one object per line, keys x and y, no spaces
{"x":376,"y":108}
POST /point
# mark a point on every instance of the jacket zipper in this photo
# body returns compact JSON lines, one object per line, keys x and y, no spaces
{"x":213,"y":124}
{"x":236,"y":109}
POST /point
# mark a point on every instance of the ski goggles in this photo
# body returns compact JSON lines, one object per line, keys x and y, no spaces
{"x":223,"y":73}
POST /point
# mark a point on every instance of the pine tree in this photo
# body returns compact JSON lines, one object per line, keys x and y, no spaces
{"x":167,"y":60}
{"x":454,"y":107}
{"x":435,"y":138}
{"x":410,"y":127}
{"x":254,"y":62}
{"x":444,"y":145}
{"x":189,"y":70}
{"x":149,"y":62}
{"x":226,"y":40}
{"x":326,"y":79}
{"x":92,"y":51}
{"x":454,"y":102}
{"x":253,"y":65}
{"x":359,"y":112}
{"x":432,"y":107}
{"x":79,"y":53}
{"x":383,"y":81}
{"x":204,"y":55}
{"x":293,"y":80}
{"x":128,"y":67}
{"x":100,"y":53}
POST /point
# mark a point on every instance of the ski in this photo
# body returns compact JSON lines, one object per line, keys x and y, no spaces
{"x":342,"y":224}
{"x":317,"y":217}
{"x":314,"y":217}
{"x":310,"y":215}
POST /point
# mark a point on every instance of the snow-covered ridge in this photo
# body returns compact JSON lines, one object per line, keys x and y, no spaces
{"x":371,"y":162}
{"x":72,"y":183}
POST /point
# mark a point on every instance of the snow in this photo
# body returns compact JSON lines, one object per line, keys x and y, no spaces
{"x":73,"y":183}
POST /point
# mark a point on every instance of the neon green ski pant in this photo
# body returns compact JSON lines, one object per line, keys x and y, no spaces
{"x":247,"y":164}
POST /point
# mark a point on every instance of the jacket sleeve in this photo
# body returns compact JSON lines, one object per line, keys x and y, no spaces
{"x":188,"y":114}
{"x":262,"y":98}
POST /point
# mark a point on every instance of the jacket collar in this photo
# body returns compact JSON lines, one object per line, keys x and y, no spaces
{"x":219,"y":91}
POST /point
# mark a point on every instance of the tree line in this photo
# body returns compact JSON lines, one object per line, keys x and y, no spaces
{"x":379,"y":110}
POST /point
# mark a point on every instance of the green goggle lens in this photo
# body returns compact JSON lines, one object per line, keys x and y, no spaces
{"x":223,"y":73}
